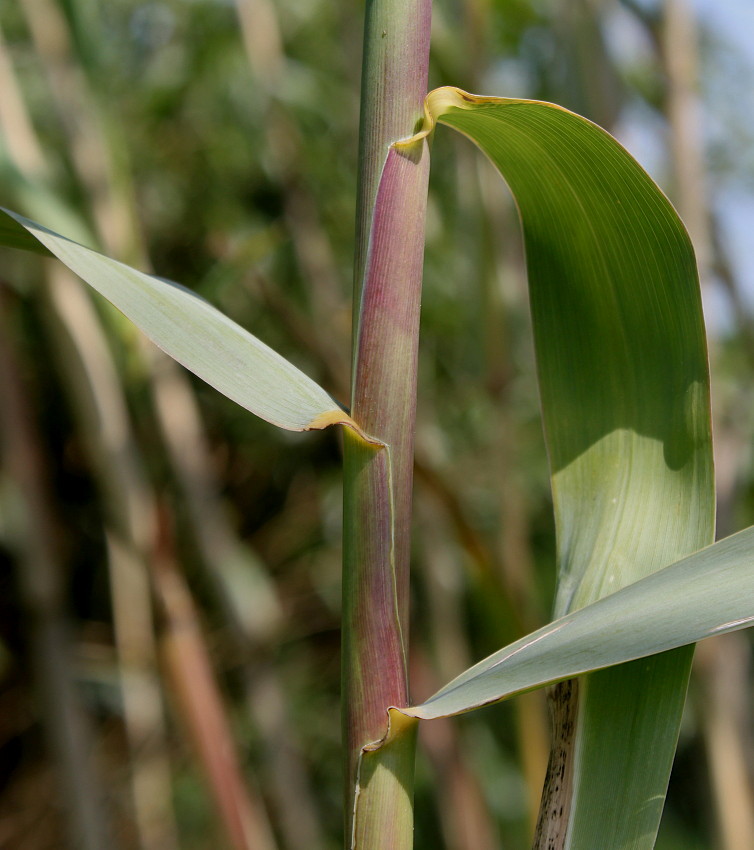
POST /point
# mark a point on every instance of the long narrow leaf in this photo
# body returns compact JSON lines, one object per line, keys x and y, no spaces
{"x":622,"y":367}
{"x":192,"y":331}
{"x":708,"y":593}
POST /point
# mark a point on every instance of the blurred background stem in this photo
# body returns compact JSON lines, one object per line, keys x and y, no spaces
{"x":41,"y":582}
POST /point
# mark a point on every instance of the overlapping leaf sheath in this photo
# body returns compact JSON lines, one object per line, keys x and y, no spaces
{"x":377,"y":505}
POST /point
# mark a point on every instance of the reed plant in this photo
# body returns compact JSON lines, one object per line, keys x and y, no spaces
{"x":624,"y":390}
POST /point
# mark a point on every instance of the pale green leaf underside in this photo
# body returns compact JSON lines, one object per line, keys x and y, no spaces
{"x":708,"y":593}
{"x":622,"y":369}
{"x":192,"y":331}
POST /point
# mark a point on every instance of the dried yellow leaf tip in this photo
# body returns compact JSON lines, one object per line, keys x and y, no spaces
{"x":399,"y":721}
{"x":440,"y":101}
{"x":336,"y":416}
{"x":436,"y":103}
{"x":331,"y":417}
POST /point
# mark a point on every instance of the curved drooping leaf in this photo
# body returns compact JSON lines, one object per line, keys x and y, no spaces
{"x":192,"y":331}
{"x":622,"y":368}
{"x":710,"y":592}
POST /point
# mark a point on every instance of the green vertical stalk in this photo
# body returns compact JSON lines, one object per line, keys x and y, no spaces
{"x":377,"y":486}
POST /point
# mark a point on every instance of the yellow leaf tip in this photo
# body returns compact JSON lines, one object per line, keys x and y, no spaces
{"x":438,"y":102}
{"x":336,"y":416}
{"x":398,"y":724}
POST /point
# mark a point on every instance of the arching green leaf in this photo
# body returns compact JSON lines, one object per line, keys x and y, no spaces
{"x":622,"y":367}
{"x":192,"y":331}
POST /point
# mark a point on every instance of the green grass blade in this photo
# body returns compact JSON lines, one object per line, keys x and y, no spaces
{"x":622,"y":367}
{"x":13,"y":235}
{"x":708,"y":593}
{"x":192,"y":331}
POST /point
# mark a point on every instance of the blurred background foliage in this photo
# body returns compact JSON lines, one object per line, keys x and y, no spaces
{"x":170,"y":566}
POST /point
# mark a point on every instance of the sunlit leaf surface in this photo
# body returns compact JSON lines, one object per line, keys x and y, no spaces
{"x":708,"y":593}
{"x":622,"y":367}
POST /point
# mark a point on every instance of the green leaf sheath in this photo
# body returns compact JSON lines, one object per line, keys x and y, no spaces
{"x":622,"y":367}
{"x":388,"y":258}
{"x":395,"y":68}
{"x":377,"y":503}
{"x":192,"y":331}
